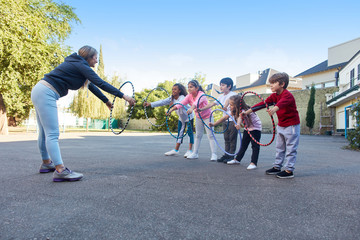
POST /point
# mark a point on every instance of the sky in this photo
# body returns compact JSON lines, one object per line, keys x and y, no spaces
{"x":150,"y":41}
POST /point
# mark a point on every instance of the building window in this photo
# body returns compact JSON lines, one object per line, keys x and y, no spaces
{"x":352,"y":78}
{"x":347,"y":114}
{"x":319,"y":85}
{"x":329,"y":84}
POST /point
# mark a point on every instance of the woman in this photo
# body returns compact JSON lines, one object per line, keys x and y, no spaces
{"x":72,"y":74}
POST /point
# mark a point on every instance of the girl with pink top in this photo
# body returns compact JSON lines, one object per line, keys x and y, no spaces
{"x":195,"y":91}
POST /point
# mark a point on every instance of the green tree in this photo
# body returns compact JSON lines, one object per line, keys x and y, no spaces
{"x":101,"y":66}
{"x":159,"y":113}
{"x":310,"y":113}
{"x":32,"y":34}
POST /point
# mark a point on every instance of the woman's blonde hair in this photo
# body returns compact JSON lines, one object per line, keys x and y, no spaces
{"x":87,"y":52}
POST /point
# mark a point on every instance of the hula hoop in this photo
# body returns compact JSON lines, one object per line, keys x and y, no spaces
{"x":167,"y":125}
{"x":145,"y":100}
{"x":213,"y":133}
{"x":227,"y":126}
{"x":272,"y":119}
{"x":131,"y":109}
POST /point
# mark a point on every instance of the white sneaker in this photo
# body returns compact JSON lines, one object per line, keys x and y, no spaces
{"x":251,"y":166}
{"x":188,"y":152}
{"x":233,"y":162}
{"x":172,"y":153}
{"x":213,"y":157}
{"x":193,"y":156}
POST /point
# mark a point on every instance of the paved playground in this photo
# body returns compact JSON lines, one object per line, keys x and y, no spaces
{"x":131,"y":190}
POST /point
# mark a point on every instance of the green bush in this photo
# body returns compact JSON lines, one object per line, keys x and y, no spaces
{"x":354,"y":135}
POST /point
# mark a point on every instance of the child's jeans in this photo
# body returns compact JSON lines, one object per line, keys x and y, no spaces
{"x":287,"y":142}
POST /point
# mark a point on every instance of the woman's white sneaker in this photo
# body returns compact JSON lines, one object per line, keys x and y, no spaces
{"x":213,"y":157}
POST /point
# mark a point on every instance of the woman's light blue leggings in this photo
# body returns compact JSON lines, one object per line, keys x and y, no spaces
{"x":44,"y":100}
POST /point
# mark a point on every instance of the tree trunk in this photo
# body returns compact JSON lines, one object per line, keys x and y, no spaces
{"x":3,"y":118}
{"x":87,"y":124}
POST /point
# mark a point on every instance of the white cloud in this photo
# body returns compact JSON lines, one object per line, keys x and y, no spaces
{"x":178,"y":60}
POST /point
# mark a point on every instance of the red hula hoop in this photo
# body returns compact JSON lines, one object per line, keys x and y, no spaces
{"x":272,"y":119}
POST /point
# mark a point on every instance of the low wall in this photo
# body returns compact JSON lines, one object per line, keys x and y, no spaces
{"x":302,"y":98}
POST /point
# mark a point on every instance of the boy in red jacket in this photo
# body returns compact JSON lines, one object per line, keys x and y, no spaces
{"x":288,"y":129}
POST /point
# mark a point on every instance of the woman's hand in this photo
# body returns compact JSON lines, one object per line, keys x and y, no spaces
{"x":147,"y":104}
{"x":211,"y":124}
{"x":189,"y":111}
{"x":130,"y":100}
{"x":109,"y":105}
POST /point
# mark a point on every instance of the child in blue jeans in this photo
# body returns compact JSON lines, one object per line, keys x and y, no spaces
{"x":178,"y":94}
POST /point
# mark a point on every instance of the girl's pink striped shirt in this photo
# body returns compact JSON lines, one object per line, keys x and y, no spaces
{"x":189,"y":99}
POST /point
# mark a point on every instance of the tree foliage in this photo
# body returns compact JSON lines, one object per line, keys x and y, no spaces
{"x":310,"y":113}
{"x":32,"y":34}
{"x":87,"y":105}
{"x":354,"y":135}
{"x":159,"y":113}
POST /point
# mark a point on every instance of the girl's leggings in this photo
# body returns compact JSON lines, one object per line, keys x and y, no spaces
{"x":44,"y":100}
{"x":246,"y":140}
{"x":199,"y":128}
{"x":181,"y":129}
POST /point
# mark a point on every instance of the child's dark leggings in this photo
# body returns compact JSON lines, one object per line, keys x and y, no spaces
{"x":246,"y":139}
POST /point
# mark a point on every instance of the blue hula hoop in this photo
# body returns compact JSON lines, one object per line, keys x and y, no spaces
{"x":197,"y":106}
{"x":213,"y":133}
{"x":167,"y":117}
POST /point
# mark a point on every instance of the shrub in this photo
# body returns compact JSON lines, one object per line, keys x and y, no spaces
{"x":353,"y":135}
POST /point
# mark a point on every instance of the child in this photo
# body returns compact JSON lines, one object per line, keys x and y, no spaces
{"x":253,"y":125}
{"x":178,"y":94}
{"x":195,"y":91}
{"x":230,"y":135}
{"x":288,"y":129}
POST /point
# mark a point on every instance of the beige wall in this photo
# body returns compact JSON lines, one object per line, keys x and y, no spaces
{"x":340,"y":115}
{"x":246,"y":79}
{"x":343,"y":52}
{"x":259,"y":89}
{"x":319,"y":78}
{"x":344,"y":76}
{"x":302,"y":99}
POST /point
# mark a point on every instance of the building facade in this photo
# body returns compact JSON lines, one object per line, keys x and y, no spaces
{"x":348,"y":94}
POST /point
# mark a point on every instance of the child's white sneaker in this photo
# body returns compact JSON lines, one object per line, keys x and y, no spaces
{"x":251,"y":166}
{"x":188,"y":153}
{"x":213,"y":157}
{"x":172,"y":153}
{"x":233,"y":162}
{"x":193,"y":156}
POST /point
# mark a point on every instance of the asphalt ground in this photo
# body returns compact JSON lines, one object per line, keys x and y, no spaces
{"x":131,"y":190}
